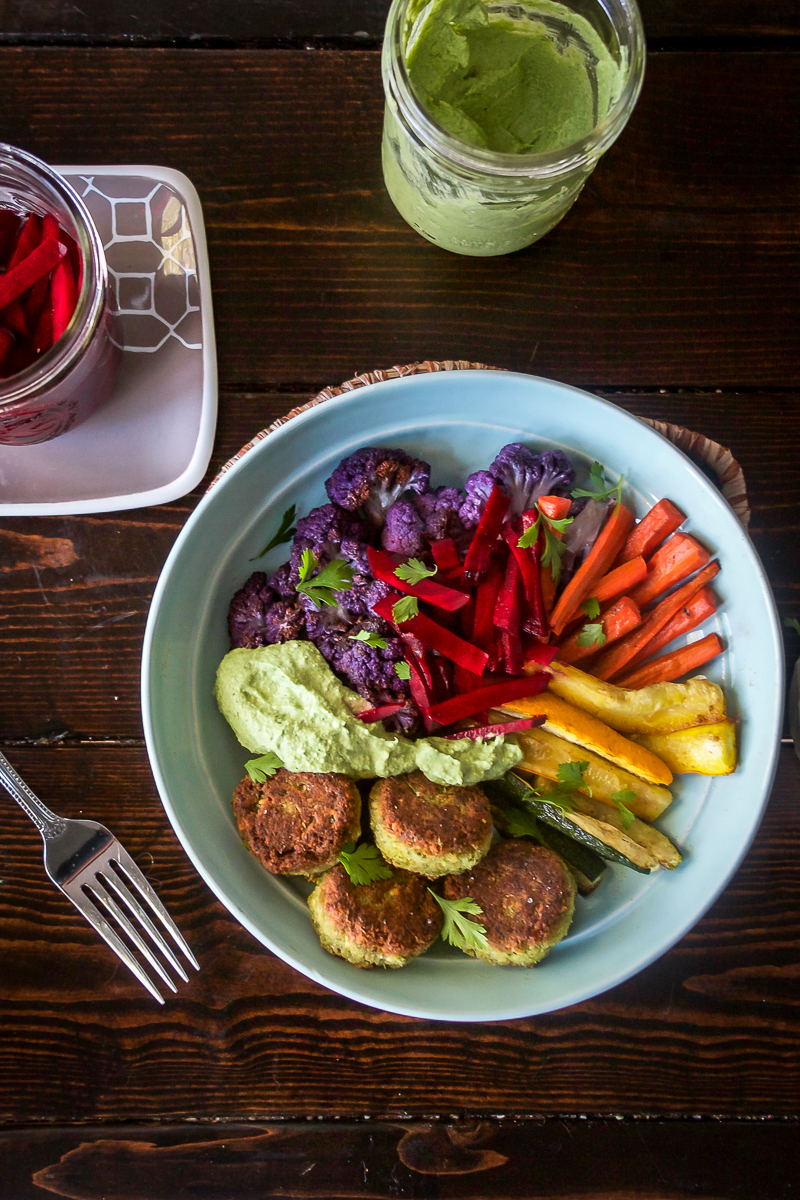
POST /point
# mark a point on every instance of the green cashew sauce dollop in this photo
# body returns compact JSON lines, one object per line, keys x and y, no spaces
{"x":285,"y":698}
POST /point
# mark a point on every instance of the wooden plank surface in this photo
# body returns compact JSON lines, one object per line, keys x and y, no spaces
{"x":675,"y":268}
{"x":712,"y":1027}
{"x":573,"y":1160}
{"x":355,"y":20}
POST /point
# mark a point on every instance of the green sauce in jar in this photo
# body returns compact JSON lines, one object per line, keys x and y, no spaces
{"x":492,"y":113}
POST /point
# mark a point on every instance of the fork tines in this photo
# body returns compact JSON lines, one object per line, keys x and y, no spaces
{"x":117,"y":878}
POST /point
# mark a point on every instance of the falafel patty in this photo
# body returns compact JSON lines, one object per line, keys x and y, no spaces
{"x":380,"y":924}
{"x":429,"y":828}
{"x":297,"y":822}
{"x":527,"y":895}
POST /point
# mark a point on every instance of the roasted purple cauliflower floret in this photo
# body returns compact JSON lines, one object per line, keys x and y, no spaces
{"x":329,"y":532}
{"x":372,"y":479}
{"x":524,"y":476}
{"x":257,"y":616}
{"x":440,"y":512}
{"x":478,"y":488}
{"x":369,"y":670}
{"x":404,"y":531}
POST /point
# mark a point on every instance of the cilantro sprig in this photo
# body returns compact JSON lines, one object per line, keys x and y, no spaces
{"x":263,"y":768}
{"x":622,"y":800}
{"x":336,"y":576}
{"x":405,"y":608}
{"x":285,"y":532}
{"x":371,"y":639}
{"x":591,"y":606}
{"x":598,"y":488}
{"x":554,"y":548}
{"x":363,"y":864}
{"x":458,"y":929}
{"x":402,"y":670}
{"x":414,"y":571}
{"x":792,"y":623}
{"x":570,"y":779}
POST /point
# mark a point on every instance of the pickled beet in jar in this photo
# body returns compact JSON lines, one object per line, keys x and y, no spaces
{"x":68,"y":381}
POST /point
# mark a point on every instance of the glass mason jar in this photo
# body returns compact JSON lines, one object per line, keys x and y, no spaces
{"x":476,"y":201}
{"x":73,"y":378}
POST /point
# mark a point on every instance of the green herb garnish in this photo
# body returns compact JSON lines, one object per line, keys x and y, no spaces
{"x":622,"y":800}
{"x":458,"y":930}
{"x":337,"y":576}
{"x":405,"y":608}
{"x":592,"y":635}
{"x":598,"y":488}
{"x":414,"y":571}
{"x":363,"y":863}
{"x":262,"y":769}
{"x":520,"y":822}
{"x":372,"y":639}
{"x":591,"y":606}
{"x":792,"y":623}
{"x":402,"y":670}
{"x":286,"y":531}
{"x":554,"y":548}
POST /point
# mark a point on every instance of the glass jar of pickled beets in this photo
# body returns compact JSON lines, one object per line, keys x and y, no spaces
{"x":58,"y":354}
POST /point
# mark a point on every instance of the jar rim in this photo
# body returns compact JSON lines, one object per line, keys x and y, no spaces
{"x":549,"y":164}
{"x":90,"y":300}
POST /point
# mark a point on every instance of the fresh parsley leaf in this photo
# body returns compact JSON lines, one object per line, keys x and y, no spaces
{"x":458,"y":930}
{"x":520,"y":822}
{"x":598,"y":488}
{"x":405,"y":608}
{"x":337,"y":576}
{"x":262,"y":769}
{"x":622,"y":800}
{"x":402,"y":670}
{"x":591,"y":606}
{"x":592,"y":635}
{"x":558,"y":799}
{"x":570,"y":774}
{"x":554,"y":548}
{"x":414,"y":571}
{"x":792,"y":623}
{"x":363,"y":863}
{"x":372,"y":639}
{"x":285,"y":533}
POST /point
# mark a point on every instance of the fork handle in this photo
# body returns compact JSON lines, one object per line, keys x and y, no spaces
{"x":48,"y":824}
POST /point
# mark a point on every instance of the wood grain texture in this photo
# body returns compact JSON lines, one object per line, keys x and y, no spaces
{"x":712,"y":1027}
{"x":74,"y":592}
{"x":353,"y":20}
{"x":566,"y":1158}
{"x":677,"y":266}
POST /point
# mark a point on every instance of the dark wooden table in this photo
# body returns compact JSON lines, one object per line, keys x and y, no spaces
{"x":670,"y":288}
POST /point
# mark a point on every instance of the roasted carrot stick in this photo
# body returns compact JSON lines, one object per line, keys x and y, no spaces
{"x":692,"y":614}
{"x":675,"y":561}
{"x":554,"y":507}
{"x":620,"y":619}
{"x":614,"y":661}
{"x":622,"y":580}
{"x":609,"y":542}
{"x":662,"y":520}
{"x":671,"y":666}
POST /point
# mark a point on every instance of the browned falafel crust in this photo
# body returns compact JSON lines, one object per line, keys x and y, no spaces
{"x":430,"y":819}
{"x":527,"y":897}
{"x":297,"y":822}
{"x":384,"y":923}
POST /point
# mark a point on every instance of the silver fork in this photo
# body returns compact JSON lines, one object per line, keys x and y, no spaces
{"x":88,"y":864}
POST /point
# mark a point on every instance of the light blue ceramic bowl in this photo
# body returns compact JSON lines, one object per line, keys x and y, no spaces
{"x":457,"y":421}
